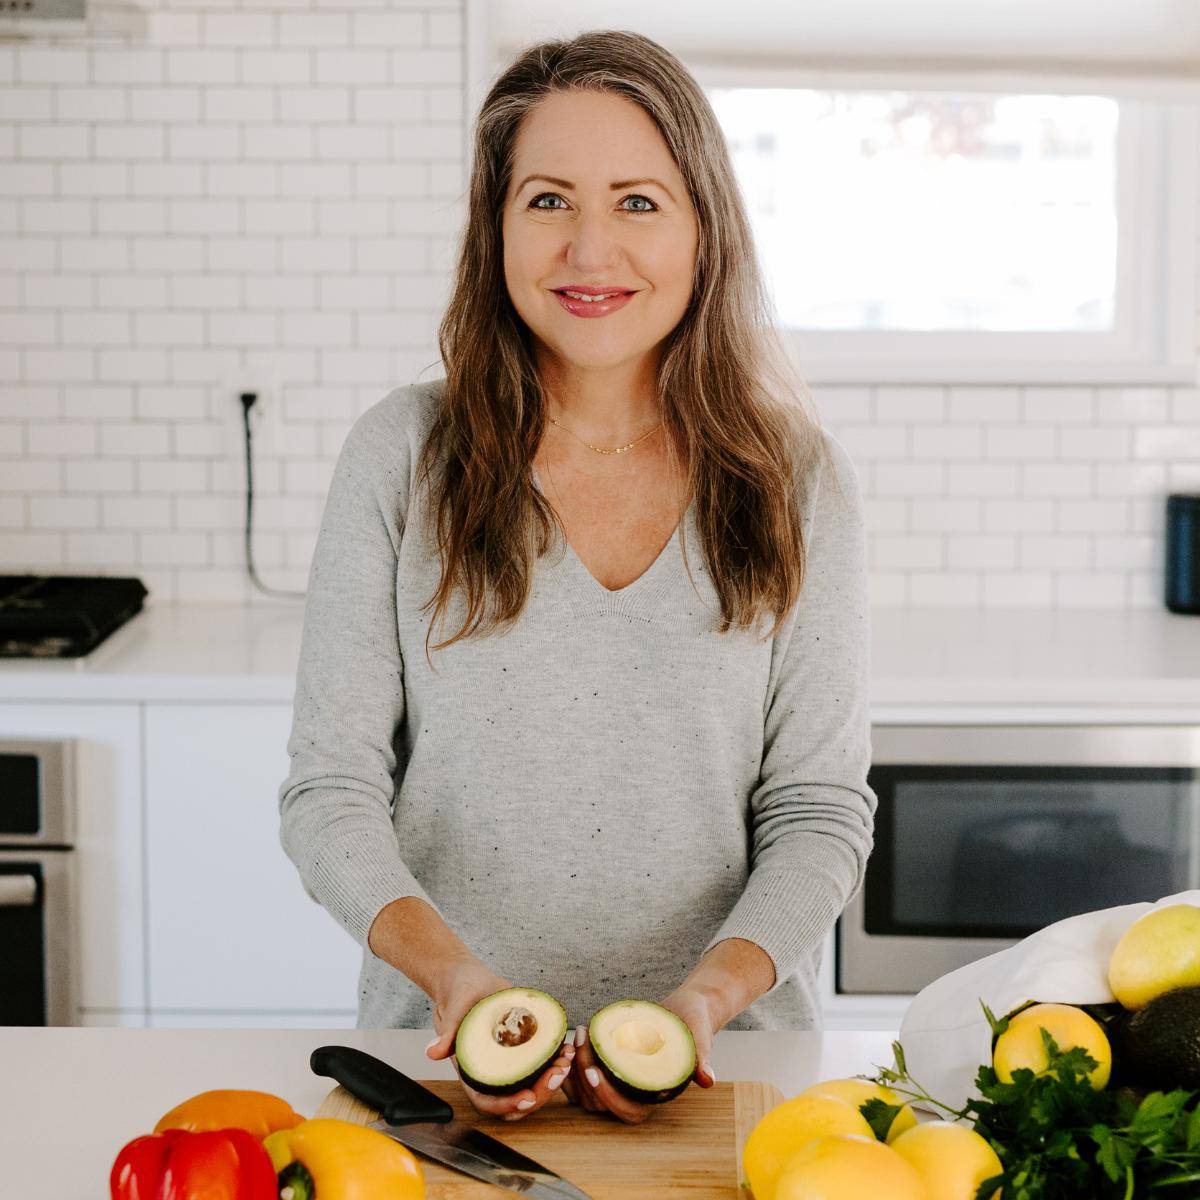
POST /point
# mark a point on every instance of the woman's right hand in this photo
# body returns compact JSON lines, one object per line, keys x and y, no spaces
{"x":464,"y":985}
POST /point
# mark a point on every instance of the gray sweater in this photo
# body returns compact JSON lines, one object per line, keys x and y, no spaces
{"x":596,"y":797}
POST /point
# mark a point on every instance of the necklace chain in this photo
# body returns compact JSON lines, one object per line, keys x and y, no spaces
{"x":599,"y":450}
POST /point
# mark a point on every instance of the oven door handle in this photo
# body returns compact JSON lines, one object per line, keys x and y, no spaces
{"x":18,"y":891}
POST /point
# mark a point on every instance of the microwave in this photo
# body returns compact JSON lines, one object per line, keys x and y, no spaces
{"x":986,"y":833}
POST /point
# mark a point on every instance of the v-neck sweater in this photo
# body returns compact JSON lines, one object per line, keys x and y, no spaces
{"x":597,"y":795}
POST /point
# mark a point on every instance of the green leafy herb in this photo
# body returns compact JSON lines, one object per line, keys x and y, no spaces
{"x":880,"y":1115}
{"x":1059,"y":1138}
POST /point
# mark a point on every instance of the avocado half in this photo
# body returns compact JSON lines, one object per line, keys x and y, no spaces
{"x":508,"y":1039}
{"x":647,"y":1053}
{"x":1160,"y":1043}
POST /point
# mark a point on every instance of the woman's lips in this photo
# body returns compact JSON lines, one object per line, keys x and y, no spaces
{"x":593,"y":308}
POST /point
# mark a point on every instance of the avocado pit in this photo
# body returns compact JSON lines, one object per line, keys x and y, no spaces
{"x":515,"y":1027}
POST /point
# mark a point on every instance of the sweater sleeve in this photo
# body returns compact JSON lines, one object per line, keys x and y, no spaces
{"x":812,"y":812}
{"x":335,"y":804}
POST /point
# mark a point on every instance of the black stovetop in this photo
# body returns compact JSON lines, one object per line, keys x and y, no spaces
{"x":63,"y":616}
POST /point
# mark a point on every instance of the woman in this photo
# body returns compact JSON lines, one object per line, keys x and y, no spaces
{"x":612,"y":782}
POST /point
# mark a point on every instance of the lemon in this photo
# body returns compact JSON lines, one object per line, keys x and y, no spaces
{"x":849,"y":1167}
{"x":952,"y":1160}
{"x":1157,"y":953}
{"x":1020,"y":1045}
{"x":781,"y":1131}
{"x":858,"y":1092}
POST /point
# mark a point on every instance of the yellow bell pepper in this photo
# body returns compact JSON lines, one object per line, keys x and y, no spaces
{"x":328,"y":1159}
{"x":258,"y":1113}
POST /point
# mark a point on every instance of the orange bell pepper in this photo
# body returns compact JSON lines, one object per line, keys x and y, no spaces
{"x":258,"y":1113}
{"x":224,"y":1164}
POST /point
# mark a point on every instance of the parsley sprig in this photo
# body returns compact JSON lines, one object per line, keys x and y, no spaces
{"x":1059,"y":1138}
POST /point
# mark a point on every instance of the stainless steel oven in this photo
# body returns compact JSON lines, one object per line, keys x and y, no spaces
{"x":986,"y":833}
{"x":38,"y":945}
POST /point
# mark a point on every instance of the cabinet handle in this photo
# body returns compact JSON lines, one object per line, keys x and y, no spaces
{"x":18,"y":891}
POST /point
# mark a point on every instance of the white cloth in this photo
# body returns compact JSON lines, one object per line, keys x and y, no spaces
{"x":946,"y":1036}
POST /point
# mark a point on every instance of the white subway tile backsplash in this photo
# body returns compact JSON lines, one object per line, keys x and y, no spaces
{"x":1054,"y":551}
{"x":941,"y":589}
{"x":1058,"y":405}
{"x":1091,"y":589}
{"x":27,"y":103}
{"x":1093,"y":516}
{"x":1094,"y":444}
{"x":1018,"y":589}
{"x":64,"y":512}
{"x":237,"y":29}
{"x":1019,"y":443}
{"x":269,"y":195}
{"x":1018,"y":516}
{"x":1176,"y":441}
{"x":981,"y":550}
{"x":982,"y":405}
{"x":982,"y":479}
{"x":35,"y":551}
{"x":99,"y":475}
{"x":100,"y":551}
{"x":57,"y":439}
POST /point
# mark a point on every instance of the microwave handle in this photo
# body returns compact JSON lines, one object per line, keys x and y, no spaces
{"x":18,"y":891}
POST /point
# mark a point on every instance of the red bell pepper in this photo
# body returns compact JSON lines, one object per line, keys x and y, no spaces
{"x":222,"y":1164}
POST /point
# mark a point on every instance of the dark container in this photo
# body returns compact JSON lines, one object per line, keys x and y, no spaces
{"x":1183,"y":553}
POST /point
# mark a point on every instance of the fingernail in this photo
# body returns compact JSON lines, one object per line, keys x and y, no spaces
{"x":554,"y":1081}
{"x":524,"y":1103}
{"x":593,"y":1076}
{"x":580,"y":1035}
{"x":710,"y":1072}
{"x":432,"y":1044}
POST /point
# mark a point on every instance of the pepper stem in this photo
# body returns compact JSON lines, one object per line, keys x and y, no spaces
{"x":295,"y":1183}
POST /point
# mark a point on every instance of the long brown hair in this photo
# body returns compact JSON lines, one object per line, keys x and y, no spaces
{"x":731,"y":404}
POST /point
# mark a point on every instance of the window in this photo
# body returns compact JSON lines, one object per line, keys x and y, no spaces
{"x":917,"y":235}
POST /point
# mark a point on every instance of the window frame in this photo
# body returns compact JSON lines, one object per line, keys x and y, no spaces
{"x":1154,"y":339}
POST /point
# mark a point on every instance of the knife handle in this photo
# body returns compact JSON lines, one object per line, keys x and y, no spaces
{"x":400,"y":1099}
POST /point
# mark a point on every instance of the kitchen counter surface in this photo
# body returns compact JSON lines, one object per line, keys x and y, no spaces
{"x":1145,"y":662}
{"x":71,"y":1098}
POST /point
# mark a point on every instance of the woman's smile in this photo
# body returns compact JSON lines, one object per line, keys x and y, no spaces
{"x":593,"y":308}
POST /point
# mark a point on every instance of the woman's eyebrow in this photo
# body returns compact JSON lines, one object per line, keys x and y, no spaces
{"x":621,"y":183}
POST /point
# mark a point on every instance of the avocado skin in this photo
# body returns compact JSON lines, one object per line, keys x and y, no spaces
{"x":640,"y":1095}
{"x":1160,"y":1043}
{"x":493,"y":1089}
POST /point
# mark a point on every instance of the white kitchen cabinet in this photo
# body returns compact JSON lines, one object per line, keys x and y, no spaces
{"x":108,"y":848}
{"x":232,"y":932}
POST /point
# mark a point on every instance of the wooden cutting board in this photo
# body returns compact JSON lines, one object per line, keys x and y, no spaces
{"x":687,"y":1149}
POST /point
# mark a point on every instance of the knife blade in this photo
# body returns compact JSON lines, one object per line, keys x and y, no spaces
{"x":425,"y":1123}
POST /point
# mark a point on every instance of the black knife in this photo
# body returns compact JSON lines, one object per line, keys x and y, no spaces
{"x":425,"y":1123}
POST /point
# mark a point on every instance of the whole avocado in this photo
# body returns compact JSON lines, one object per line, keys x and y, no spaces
{"x":1160,"y":1044}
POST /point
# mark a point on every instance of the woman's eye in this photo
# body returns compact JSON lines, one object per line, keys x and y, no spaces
{"x":535,"y":203}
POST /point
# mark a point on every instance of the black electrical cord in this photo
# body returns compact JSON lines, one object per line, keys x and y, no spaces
{"x":249,"y":400}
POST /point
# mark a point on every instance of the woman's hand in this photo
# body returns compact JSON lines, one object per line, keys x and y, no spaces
{"x":588,"y":1087}
{"x":462,"y":986}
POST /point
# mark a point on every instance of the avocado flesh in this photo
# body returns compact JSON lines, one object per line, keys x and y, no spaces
{"x":646,"y":1051}
{"x":1160,"y":1043}
{"x":507,"y":1040}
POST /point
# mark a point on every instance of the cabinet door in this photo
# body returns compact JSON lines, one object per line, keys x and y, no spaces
{"x":231,"y":926}
{"x":108,"y":929}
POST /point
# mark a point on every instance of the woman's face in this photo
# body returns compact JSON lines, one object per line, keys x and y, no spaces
{"x":577,"y":228}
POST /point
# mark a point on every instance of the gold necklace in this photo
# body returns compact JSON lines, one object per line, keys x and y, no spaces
{"x":598,"y":450}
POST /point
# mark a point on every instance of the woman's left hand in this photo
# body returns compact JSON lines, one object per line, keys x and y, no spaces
{"x":587,"y":1086}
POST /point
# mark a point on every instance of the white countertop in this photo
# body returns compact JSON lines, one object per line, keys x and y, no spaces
{"x":71,"y":1098}
{"x":919,"y":657}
